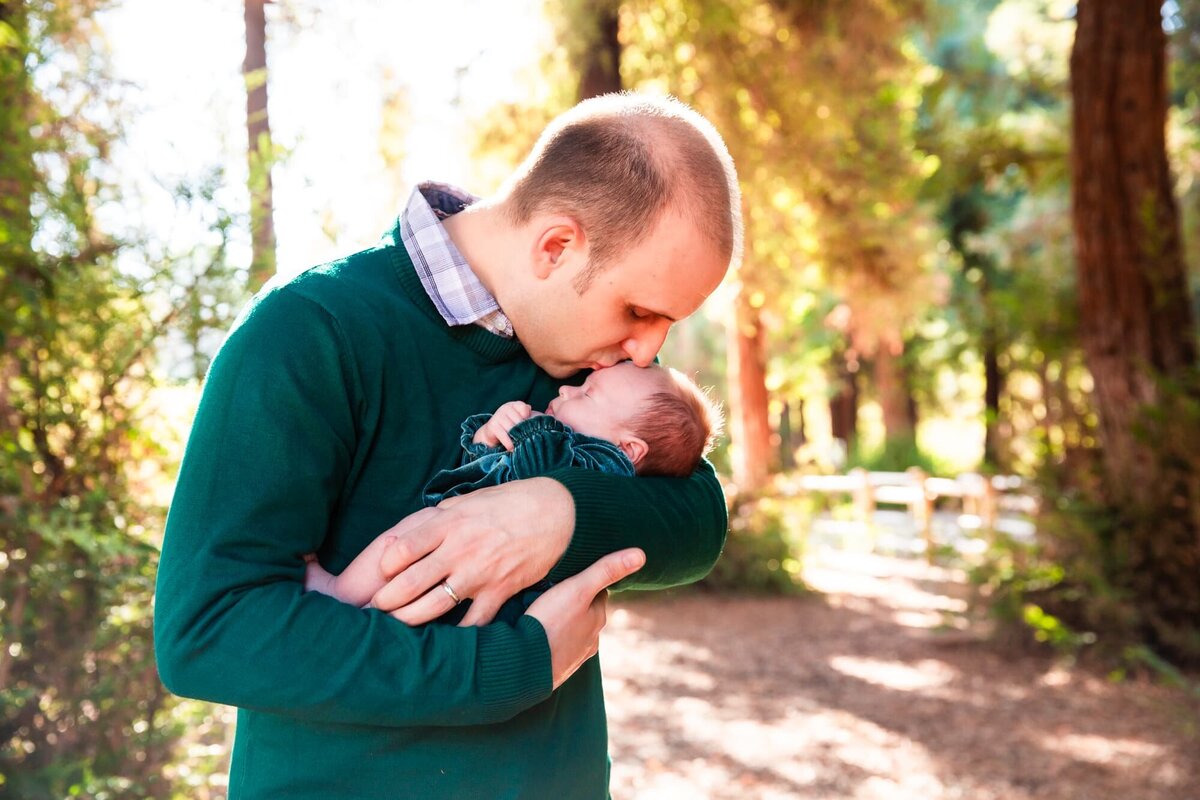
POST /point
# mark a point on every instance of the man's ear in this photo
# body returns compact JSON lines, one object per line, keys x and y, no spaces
{"x":560,"y":242}
{"x":634,"y":448}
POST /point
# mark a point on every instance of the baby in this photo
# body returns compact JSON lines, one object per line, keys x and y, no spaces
{"x":625,"y":420}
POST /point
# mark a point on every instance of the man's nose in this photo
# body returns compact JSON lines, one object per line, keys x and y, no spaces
{"x":643,"y":347}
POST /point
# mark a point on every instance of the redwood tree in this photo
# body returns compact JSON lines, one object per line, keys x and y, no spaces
{"x":749,"y":423}
{"x":1138,"y":333}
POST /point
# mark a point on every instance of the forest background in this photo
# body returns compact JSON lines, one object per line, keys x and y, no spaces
{"x":972,"y":233}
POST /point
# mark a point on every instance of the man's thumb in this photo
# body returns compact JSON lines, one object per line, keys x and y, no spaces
{"x":612,"y":568}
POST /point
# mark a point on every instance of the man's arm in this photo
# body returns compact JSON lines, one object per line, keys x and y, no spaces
{"x":272,"y":444}
{"x":680,"y":524}
{"x":495,"y":541}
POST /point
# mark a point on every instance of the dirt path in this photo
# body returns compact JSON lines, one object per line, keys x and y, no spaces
{"x":854,"y":695}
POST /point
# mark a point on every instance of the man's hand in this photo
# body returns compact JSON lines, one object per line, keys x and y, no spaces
{"x":488,"y":545}
{"x":574,"y":612}
{"x":495,"y":430}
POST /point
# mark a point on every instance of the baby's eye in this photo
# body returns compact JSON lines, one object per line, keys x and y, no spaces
{"x":638,"y":313}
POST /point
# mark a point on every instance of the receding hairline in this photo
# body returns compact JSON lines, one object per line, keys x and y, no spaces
{"x":677,"y":139}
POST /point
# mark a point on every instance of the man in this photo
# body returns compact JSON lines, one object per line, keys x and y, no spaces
{"x":338,"y":394}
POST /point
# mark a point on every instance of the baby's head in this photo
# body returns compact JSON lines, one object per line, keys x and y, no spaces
{"x":662,"y":421}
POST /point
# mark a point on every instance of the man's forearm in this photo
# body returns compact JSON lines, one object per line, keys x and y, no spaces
{"x":680,"y":523}
{"x":245,"y":649}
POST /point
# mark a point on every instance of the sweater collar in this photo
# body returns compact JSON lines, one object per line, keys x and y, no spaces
{"x":456,"y":291}
{"x":487,"y":344}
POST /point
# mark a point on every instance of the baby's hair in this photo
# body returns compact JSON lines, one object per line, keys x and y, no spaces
{"x":678,"y":424}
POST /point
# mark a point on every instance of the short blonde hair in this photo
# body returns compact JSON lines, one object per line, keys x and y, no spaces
{"x":679,"y":426}
{"x":617,"y":162}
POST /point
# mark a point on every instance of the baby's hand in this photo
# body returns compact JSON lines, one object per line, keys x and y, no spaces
{"x":495,"y":430}
{"x":316,"y":577}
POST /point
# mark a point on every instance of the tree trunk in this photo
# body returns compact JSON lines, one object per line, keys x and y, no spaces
{"x":750,"y":429}
{"x":260,"y":152}
{"x":993,"y":385}
{"x":600,"y":61}
{"x":1136,"y":321}
{"x":843,"y":406}
{"x":788,"y":440}
{"x":895,"y":400}
{"x":993,"y":378}
{"x":1133,"y":296}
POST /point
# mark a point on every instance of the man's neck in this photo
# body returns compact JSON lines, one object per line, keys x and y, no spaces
{"x":482,"y":234}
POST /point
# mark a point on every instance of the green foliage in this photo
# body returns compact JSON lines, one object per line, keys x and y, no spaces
{"x":995,"y":118}
{"x":83,"y":314}
{"x":1051,"y":630}
{"x":1031,"y":597}
{"x":895,"y":454}
{"x":1117,"y":576}
{"x":763,"y":551}
{"x":1141,"y":657}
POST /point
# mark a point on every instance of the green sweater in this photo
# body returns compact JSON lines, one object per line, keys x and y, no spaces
{"x":332,"y":401}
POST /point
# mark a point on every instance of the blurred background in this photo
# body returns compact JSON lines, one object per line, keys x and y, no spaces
{"x":962,"y":339}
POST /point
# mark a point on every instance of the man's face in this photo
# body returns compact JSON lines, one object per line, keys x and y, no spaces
{"x":629,"y":306}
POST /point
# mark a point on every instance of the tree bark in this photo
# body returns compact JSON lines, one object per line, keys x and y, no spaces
{"x":750,"y":427}
{"x":1133,"y":297}
{"x":1136,"y":321}
{"x":259,"y":149}
{"x":895,"y":400}
{"x":843,"y":406}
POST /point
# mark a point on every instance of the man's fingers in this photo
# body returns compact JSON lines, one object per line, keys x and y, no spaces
{"x":428,"y":607}
{"x":413,"y":541}
{"x":482,"y":611}
{"x":410,"y":584}
{"x":608,"y":570}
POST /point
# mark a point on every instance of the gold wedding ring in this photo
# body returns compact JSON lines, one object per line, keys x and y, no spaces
{"x":453,"y":594}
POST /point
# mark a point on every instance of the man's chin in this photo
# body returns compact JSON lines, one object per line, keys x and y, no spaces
{"x":561,"y":369}
{"x":558,"y":369}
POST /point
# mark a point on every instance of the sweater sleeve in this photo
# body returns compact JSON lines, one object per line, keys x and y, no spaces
{"x":542,"y":444}
{"x":272,"y":443}
{"x":680,"y":523}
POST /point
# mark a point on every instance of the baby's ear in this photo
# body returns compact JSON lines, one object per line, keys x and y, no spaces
{"x":634,"y":448}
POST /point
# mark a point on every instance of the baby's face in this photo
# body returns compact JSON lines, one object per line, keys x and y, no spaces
{"x":607,"y":401}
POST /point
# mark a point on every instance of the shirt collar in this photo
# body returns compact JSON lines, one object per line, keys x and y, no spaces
{"x":456,"y":291}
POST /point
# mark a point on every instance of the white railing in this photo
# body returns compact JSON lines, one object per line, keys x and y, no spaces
{"x":982,"y":497}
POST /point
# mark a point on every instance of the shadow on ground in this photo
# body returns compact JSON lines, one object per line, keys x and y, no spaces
{"x":856,"y":693}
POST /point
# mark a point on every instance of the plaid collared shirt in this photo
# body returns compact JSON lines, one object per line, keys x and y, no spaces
{"x":453,"y":286}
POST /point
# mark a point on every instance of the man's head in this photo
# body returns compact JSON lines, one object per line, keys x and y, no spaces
{"x":662,"y":421}
{"x":629,"y":215}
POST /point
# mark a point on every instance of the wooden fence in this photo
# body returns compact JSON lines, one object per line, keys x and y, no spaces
{"x":984,"y":497}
